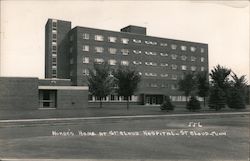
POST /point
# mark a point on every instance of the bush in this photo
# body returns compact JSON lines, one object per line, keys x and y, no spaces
{"x":167,"y":105}
{"x":236,"y":99}
{"x":217,"y":98}
{"x":193,"y":104}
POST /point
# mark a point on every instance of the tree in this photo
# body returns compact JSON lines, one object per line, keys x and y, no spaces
{"x":219,"y":87}
{"x":236,"y":93}
{"x":127,"y":81}
{"x":100,"y":82}
{"x":187,"y":84}
{"x":203,"y":85}
{"x":193,"y":104}
{"x":167,"y":104}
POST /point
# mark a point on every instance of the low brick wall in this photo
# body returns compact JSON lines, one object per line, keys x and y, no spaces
{"x":18,"y":93}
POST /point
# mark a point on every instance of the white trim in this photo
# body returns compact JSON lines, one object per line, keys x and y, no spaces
{"x":65,"y":87}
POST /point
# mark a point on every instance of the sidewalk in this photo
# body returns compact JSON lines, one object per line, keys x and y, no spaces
{"x":102,"y":112}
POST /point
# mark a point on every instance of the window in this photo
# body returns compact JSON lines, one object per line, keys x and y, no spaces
{"x":174,"y":76}
{"x":202,"y":68}
{"x":164,"y":75}
{"x":53,"y":36}
{"x":85,"y":72}
{"x":163,"y":44}
{"x":85,"y":36}
{"x":173,"y":56}
{"x":193,"y":58}
{"x":124,"y":62}
{"x":153,"y":85}
{"x":54,"y":59}
{"x":183,"y":67}
{"x":192,"y":48}
{"x":151,"y":63}
{"x":53,"y":71}
{"x":112,"y":39}
{"x":54,"y":47}
{"x":99,"y":38}
{"x":71,"y":49}
{"x":174,"y":66}
{"x":173,"y":86}
{"x":124,"y":40}
{"x":151,"y":42}
{"x":71,"y":61}
{"x":140,"y":73}
{"x":150,"y":53}
{"x":54,"y":67}
{"x":151,"y":74}
{"x":193,"y":68}
{"x":112,"y":50}
{"x":163,"y":54}
{"x":164,"y":65}
{"x":99,"y":60}
{"x":173,"y":46}
{"x":124,"y":51}
{"x":54,"y":24}
{"x":112,"y":62}
{"x":202,"y":59}
{"x":183,"y":57}
{"x":137,"y":51}
{"x":202,"y":50}
{"x":183,"y":48}
{"x":85,"y":48}
{"x":137,"y":62}
{"x":99,"y":49}
{"x":136,"y":41}
{"x":85,"y":60}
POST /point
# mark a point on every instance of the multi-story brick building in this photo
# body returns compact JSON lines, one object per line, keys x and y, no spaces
{"x":161,"y":62}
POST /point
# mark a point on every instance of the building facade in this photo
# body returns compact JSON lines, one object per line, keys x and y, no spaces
{"x":161,"y":62}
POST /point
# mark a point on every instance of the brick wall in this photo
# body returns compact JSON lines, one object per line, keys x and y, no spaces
{"x":18,"y":93}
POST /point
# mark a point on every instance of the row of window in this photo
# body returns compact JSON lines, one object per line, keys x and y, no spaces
{"x":113,"y":39}
{"x":54,"y":49}
{"x":113,"y":98}
{"x":125,"y":62}
{"x":126,"y":52}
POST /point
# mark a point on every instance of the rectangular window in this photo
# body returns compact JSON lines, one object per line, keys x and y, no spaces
{"x":174,"y":76}
{"x":163,"y":44}
{"x":99,"y":38}
{"x":124,"y":40}
{"x":136,"y":41}
{"x":137,"y":62}
{"x":85,"y":60}
{"x":85,"y":36}
{"x":164,"y":75}
{"x":124,"y":62}
{"x":174,"y":66}
{"x":173,"y":46}
{"x":164,"y":64}
{"x":71,"y":49}
{"x":173,"y":56}
{"x":71,"y":61}
{"x":112,"y":39}
{"x":53,"y":66}
{"x":54,"y":47}
{"x":163,"y":54}
{"x":137,"y":51}
{"x":53,"y":36}
{"x":85,"y":48}
{"x":54,"y":71}
{"x":202,"y":50}
{"x":183,"y":67}
{"x":99,"y":60}
{"x":183,"y":57}
{"x":193,"y":68}
{"x":125,"y":51}
{"x":54,"y":59}
{"x":193,"y":58}
{"x":192,"y":48}
{"x":112,"y":50}
{"x":183,"y":48}
{"x":54,"y":24}
{"x":85,"y":72}
{"x":99,"y":49}
{"x":202,"y":59}
{"x":202,"y":68}
{"x":112,"y":62}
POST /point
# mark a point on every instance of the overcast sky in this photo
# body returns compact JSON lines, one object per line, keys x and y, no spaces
{"x":223,"y":25}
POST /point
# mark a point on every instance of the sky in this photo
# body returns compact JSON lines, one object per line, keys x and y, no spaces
{"x":223,"y":25}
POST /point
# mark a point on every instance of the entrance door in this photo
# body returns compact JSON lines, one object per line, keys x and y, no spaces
{"x":148,"y":102}
{"x":153,"y":100}
{"x":47,"y":98}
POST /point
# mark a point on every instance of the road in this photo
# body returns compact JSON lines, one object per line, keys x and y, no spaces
{"x":194,"y":137}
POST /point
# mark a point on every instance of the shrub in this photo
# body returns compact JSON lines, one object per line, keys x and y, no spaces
{"x":193,"y":104}
{"x":167,"y":105}
{"x":236,"y":99}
